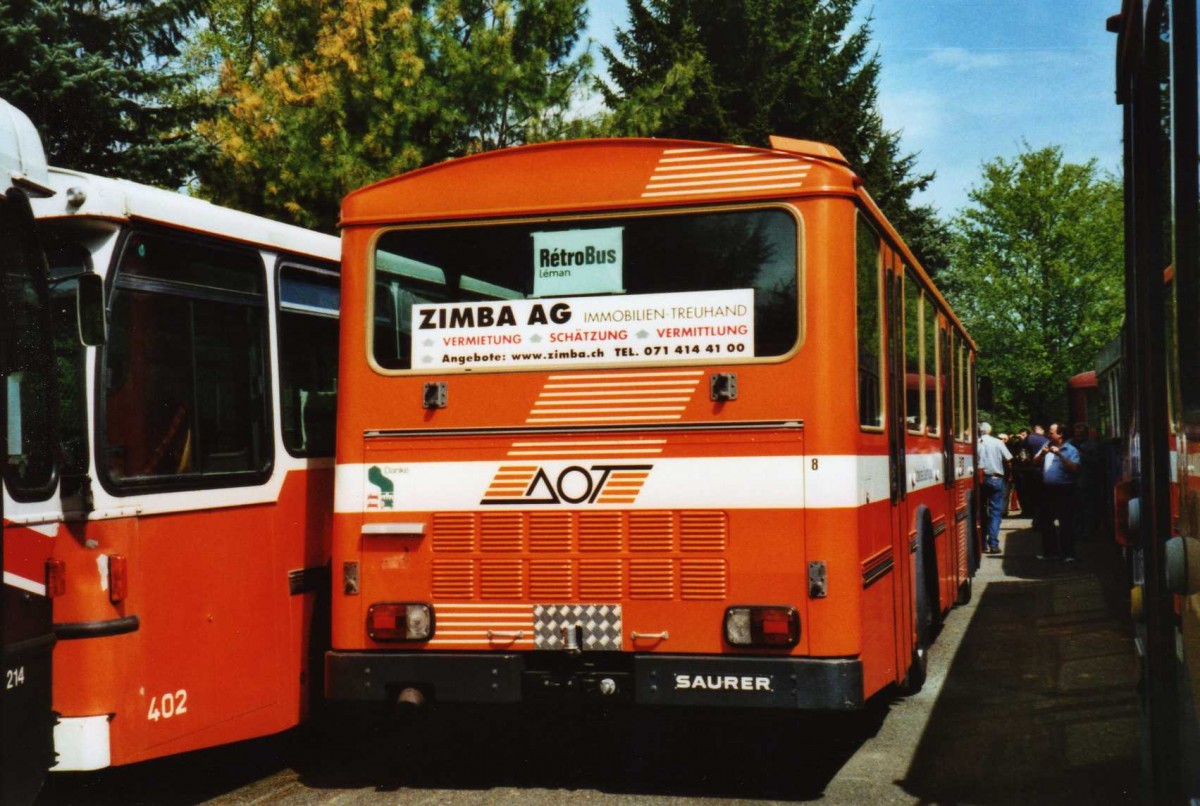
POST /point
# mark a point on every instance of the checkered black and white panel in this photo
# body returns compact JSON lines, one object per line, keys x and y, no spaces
{"x":601,"y":626}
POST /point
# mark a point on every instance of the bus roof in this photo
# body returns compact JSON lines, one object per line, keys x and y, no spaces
{"x":22,"y":159}
{"x":81,"y":195}
{"x":594,"y":175}
{"x":1084,"y":380}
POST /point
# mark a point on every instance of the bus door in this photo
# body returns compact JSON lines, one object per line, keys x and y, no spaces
{"x":897,"y":462}
{"x":184,"y":428}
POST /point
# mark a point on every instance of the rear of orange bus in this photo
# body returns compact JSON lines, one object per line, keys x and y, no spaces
{"x":613,"y":424}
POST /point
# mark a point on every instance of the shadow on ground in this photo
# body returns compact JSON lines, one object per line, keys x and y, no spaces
{"x":744,"y":755}
{"x":1039,"y":705}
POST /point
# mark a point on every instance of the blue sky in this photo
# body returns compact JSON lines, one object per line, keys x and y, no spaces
{"x":966,"y":81}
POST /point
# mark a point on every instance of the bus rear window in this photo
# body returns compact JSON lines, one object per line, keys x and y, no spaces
{"x":637,"y":289}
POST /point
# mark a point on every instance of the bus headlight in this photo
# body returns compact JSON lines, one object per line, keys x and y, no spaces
{"x":400,"y":621}
{"x":762,"y":626}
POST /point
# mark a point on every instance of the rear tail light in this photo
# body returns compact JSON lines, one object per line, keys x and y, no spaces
{"x":56,"y":578}
{"x":762,"y":626}
{"x":118,"y":578}
{"x":399,"y":621}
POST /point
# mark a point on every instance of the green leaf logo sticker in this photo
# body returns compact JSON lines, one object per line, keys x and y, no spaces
{"x":386,"y":497}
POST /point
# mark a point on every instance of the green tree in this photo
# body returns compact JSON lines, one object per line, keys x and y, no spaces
{"x":103,"y":84}
{"x":318,"y":99}
{"x":1036,"y":274}
{"x":739,"y":71}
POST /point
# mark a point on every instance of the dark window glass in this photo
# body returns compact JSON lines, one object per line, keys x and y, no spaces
{"x":951,"y":379}
{"x":68,"y":258}
{"x":1188,"y":240}
{"x":932,"y":397}
{"x":308,"y":354}
{"x":26,"y":364}
{"x":913,"y":382}
{"x":870,"y":334}
{"x":665,"y":254}
{"x":185,"y":366}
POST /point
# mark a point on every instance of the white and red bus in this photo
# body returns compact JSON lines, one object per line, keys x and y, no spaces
{"x":191,"y":510}
{"x":654,"y":421}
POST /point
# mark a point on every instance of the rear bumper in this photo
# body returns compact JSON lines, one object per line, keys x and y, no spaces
{"x":690,"y":680}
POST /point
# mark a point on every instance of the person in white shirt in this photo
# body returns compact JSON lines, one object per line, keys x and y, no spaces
{"x":994,"y":458}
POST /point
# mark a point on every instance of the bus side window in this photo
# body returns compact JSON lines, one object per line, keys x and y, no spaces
{"x":308,"y":354}
{"x":68,"y":258}
{"x":913,"y":380}
{"x":870,"y":334}
{"x":186,"y":385}
{"x":933,"y":400}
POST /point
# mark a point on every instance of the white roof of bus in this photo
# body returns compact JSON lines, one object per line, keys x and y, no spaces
{"x":22,"y":159}
{"x":122,"y":200}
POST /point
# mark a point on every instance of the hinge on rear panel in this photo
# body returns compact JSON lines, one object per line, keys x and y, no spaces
{"x":435,"y":395}
{"x":818,"y":588}
{"x":350,"y":578}
{"x":722,"y":386}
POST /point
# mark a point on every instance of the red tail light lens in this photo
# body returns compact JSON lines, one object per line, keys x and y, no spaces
{"x":400,"y":621}
{"x":56,"y":578}
{"x":118,"y":578}
{"x":762,"y":626}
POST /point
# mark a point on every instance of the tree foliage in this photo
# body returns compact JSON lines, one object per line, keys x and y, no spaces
{"x":739,"y":71}
{"x":319,"y":99}
{"x":1036,"y":273}
{"x":102,"y":83}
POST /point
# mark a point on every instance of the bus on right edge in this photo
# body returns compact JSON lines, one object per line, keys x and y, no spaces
{"x":1158,"y":499}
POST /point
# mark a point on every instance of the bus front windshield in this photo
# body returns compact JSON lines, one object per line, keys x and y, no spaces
{"x":661,"y":288}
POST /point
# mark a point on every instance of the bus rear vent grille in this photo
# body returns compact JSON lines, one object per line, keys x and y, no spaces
{"x":580,"y":556}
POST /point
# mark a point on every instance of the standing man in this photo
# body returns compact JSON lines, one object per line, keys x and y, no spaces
{"x":1034,"y":444}
{"x":994,"y":458}
{"x":1060,"y":468}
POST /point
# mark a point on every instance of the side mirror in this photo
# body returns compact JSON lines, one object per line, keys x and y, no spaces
{"x":89,"y":309}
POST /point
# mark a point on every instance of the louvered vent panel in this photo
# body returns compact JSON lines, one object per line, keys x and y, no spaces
{"x":501,"y":579}
{"x":702,"y":579}
{"x":550,"y":532}
{"x":453,"y":579}
{"x":960,"y":529}
{"x":550,"y":581}
{"x":703,"y":531}
{"x":454,"y":532}
{"x":600,"y":580}
{"x":651,"y":579}
{"x":501,"y":531}
{"x":600,"y":531}
{"x":651,"y":531}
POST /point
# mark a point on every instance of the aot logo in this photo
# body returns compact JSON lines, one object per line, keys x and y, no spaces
{"x":576,"y":484}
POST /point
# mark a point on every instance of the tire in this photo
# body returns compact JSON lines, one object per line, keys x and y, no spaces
{"x":964,"y":593}
{"x":918,"y":669}
{"x":926,"y":614}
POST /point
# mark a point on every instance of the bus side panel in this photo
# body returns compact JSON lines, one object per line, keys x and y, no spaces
{"x":305,"y":523}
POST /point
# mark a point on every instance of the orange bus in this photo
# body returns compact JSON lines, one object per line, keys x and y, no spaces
{"x":191,"y":510}
{"x":652,"y":421}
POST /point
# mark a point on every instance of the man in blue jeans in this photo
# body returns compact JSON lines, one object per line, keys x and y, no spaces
{"x":994,"y":459}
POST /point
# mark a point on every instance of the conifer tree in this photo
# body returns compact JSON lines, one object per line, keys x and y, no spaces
{"x":102,"y":83}
{"x":741,"y":70}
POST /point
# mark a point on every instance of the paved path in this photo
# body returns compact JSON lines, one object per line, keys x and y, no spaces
{"x":1030,"y":699}
{"x":1038,"y":703}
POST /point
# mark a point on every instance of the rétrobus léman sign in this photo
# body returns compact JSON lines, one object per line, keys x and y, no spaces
{"x":583,"y":330}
